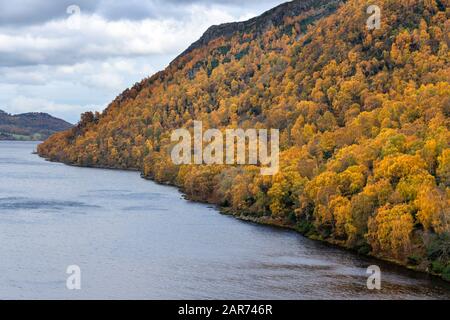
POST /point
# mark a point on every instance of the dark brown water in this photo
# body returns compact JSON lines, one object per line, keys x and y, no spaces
{"x":134,"y":239}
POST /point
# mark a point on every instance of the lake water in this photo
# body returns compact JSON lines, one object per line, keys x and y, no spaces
{"x":134,"y":239}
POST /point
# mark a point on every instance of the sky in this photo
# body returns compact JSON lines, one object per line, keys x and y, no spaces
{"x":65,"y":57}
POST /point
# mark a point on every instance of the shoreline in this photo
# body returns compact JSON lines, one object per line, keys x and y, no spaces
{"x":268,"y":222}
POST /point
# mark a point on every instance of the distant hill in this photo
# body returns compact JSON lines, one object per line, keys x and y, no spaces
{"x":30,"y":126}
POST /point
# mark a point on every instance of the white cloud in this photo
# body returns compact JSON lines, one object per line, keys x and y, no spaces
{"x":55,"y":43}
{"x":23,"y":104}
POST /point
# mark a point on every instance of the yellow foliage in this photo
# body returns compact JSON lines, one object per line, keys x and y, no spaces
{"x":390,"y":230}
{"x":433,"y":210}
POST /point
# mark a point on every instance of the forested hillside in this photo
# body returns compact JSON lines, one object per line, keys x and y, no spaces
{"x":363,"y":118}
{"x":30,"y":126}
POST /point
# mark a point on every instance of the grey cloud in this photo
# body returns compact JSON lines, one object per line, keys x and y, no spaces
{"x":30,"y":12}
{"x":137,"y":10}
{"x":46,"y":66}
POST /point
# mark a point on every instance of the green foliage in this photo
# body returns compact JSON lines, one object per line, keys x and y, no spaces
{"x":438,"y":252}
{"x":439,"y":248}
{"x":414,"y":259}
{"x":306,"y":228}
{"x":446,"y":273}
{"x":437,"y":267}
{"x":364,"y":249}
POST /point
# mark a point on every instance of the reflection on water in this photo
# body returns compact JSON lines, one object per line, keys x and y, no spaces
{"x":134,"y":239}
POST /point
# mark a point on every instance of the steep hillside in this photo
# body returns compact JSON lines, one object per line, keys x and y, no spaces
{"x":30,"y":126}
{"x":272,"y":18}
{"x":363,"y":118}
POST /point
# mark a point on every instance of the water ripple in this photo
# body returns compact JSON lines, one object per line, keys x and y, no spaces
{"x":16,"y":203}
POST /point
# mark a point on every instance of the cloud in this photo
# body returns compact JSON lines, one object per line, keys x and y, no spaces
{"x":90,"y":83}
{"x":56,"y":42}
{"x":23,"y":104}
{"x":31,"y":12}
{"x":48,"y":65}
{"x":23,"y":76}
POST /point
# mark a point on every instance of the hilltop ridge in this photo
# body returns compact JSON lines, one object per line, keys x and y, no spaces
{"x":258,"y":25}
{"x":30,"y":126}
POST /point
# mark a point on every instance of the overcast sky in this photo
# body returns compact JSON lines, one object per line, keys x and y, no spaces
{"x":55,"y":58}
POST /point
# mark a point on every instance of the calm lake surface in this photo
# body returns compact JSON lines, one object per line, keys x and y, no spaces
{"x":134,"y":239}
